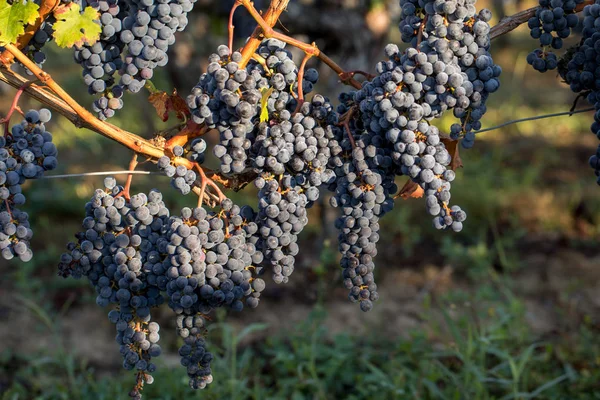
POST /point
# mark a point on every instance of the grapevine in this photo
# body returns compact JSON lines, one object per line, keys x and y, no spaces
{"x":272,"y":130}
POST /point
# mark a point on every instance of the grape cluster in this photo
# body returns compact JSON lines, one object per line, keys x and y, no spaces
{"x":553,"y":21}
{"x":27,"y":152}
{"x":137,"y":257}
{"x":281,"y":217}
{"x":135,"y":37}
{"x":194,"y":356}
{"x":117,"y":248}
{"x":102,"y":60}
{"x":148,"y":32}
{"x":362,"y":192}
{"x":581,"y":71}
{"x":234,"y":100}
{"x":296,"y":148}
{"x":455,"y":42}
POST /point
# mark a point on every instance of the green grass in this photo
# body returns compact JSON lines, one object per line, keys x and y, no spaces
{"x":476,"y":346}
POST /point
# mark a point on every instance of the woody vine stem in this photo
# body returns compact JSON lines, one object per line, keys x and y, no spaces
{"x":51,"y":94}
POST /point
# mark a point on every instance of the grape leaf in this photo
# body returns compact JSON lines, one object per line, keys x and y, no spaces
{"x":14,"y":17}
{"x":164,"y":103}
{"x":452,"y":147}
{"x":410,"y":190}
{"x":74,"y":27}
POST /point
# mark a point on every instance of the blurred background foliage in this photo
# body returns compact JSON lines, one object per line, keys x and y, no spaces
{"x":507,"y":309}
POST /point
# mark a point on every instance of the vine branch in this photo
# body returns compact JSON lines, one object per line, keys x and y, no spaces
{"x":512,"y":22}
{"x":128,"y":139}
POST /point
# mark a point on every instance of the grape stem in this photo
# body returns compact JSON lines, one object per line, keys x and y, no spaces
{"x":261,"y":61}
{"x":351,"y":74}
{"x":420,"y":34}
{"x":46,"y":8}
{"x":204,"y":182}
{"x":8,"y":209}
{"x":13,"y":107}
{"x":307,"y":56}
{"x":312,"y":49}
{"x":345,"y":122}
{"x":231,"y":27}
{"x":276,"y":7}
{"x":126,"y":192}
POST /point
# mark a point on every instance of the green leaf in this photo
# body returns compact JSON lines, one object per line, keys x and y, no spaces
{"x":74,"y":27}
{"x":14,"y":17}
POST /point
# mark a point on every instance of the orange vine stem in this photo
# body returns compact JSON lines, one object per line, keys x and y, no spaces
{"x":13,"y":107}
{"x":134,"y":142}
{"x":130,"y":140}
{"x":271,"y":17}
{"x":307,"y":56}
{"x":126,"y":192}
{"x":231,"y":27}
{"x":312,"y":49}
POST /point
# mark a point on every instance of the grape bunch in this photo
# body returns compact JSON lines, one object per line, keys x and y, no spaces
{"x":102,"y":60}
{"x":235,"y":100}
{"x":363,"y":194}
{"x":581,"y":71}
{"x":553,"y":21}
{"x":117,"y":248}
{"x":138,"y":257}
{"x":194,"y":355}
{"x":136,"y":35}
{"x":455,"y":39}
{"x":27,"y":152}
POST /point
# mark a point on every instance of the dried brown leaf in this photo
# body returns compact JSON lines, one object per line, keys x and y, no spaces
{"x":453,"y":149}
{"x":164,"y":103}
{"x":411,"y":190}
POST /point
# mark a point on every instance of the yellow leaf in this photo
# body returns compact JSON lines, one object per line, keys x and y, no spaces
{"x":264,"y":111}
{"x":74,"y":27}
{"x":14,"y":17}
